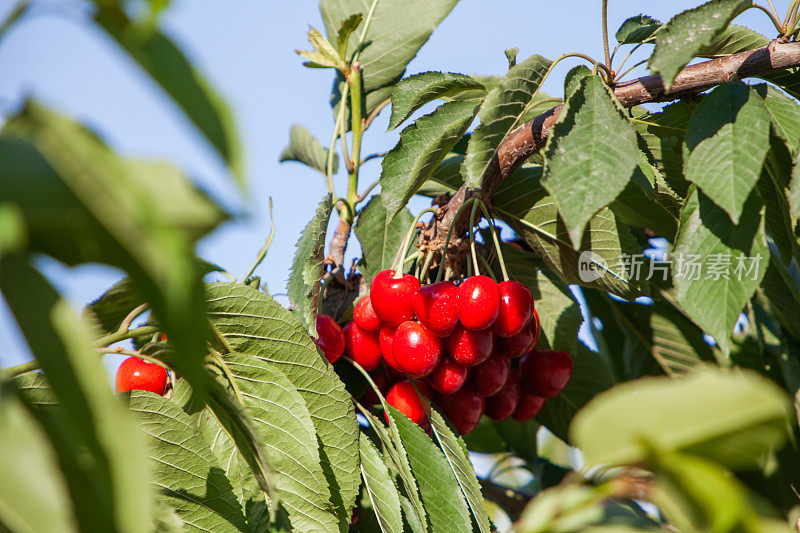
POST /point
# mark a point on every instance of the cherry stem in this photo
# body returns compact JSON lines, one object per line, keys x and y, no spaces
{"x":126,"y":334}
{"x":132,"y":353}
{"x":426,"y":265}
{"x":496,"y":240}
{"x":398,"y":266}
{"x":369,"y":379}
{"x":447,"y":240}
{"x":487,"y":266}
{"x":475,"y":205}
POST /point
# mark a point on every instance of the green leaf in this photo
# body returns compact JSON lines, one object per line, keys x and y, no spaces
{"x":446,"y":178}
{"x":19,"y":10}
{"x":455,"y":451}
{"x":189,"y":477}
{"x":784,"y":114}
{"x":325,"y":49}
{"x":744,"y":416}
{"x":380,"y":488}
{"x":13,"y":233}
{"x":346,"y":29}
{"x":438,"y":486}
{"x":637,"y":29}
{"x":717,"y":265}
{"x":380,"y":236}
{"x":590,"y":155}
{"x":415,"y":91}
{"x":501,"y":113}
{"x":793,"y":194}
{"x":251,"y":322}
{"x":169,"y":68}
{"x":784,"y":295}
{"x":725,"y":145}
{"x":305,"y":148}
{"x":307,"y":267}
{"x":422,"y":146}
{"x":689,"y":33}
{"x":110,"y":309}
{"x":732,"y":40}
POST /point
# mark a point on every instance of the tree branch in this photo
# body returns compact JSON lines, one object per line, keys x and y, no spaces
{"x":528,"y":139}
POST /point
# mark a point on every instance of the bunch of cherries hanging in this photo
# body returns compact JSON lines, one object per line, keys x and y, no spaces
{"x":458,"y":344}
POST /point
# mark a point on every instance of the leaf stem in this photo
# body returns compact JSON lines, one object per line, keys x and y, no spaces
{"x":372,"y":185}
{"x":487,"y":266}
{"x":263,"y":252}
{"x":496,"y":241}
{"x":605,"y":34}
{"x":117,"y":336}
{"x":623,"y":74}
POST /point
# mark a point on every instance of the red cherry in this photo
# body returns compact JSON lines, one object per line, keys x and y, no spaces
{"x":137,"y":374}
{"x":362,"y":346}
{"x":330,"y":338}
{"x":528,"y":406}
{"x":386,"y":340}
{"x":436,"y":306}
{"x":516,"y":308}
{"x":478,"y":302}
{"x":537,"y":328}
{"x":404,"y":397}
{"x":448,"y":377}
{"x":468,"y":347}
{"x":365,"y":316}
{"x":518,"y":344}
{"x":370,"y":397}
{"x":489,"y":377}
{"x":545,"y":372}
{"x":502,"y":405}
{"x":463,"y":408}
{"x":392,"y":298}
{"x":416,"y":350}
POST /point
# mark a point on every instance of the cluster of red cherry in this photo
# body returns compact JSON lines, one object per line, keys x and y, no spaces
{"x":458,"y":340}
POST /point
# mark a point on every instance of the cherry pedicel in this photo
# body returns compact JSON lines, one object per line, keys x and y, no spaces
{"x":448,"y":377}
{"x":520,"y":343}
{"x":489,"y":377}
{"x":478,"y":302}
{"x":392,"y":298}
{"x":365,"y":316}
{"x":516,"y":308}
{"x":528,"y":406}
{"x":463,"y":408}
{"x":436,"y":306}
{"x":404,"y":397}
{"x":330,"y":338}
{"x":137,"y":374}
{"x":468,"y":347}
{"x":545,"y":372}
{"x":416,"y":350}
{"x":382,"y":382}
{"x":386,"y":340}
{"x":362,"y":346}
{"x":502,"y":405}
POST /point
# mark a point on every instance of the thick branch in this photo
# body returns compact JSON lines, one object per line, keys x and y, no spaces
{"x":531,"y":137}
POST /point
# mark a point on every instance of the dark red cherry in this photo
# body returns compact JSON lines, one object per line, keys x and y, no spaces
{"x":404,"y":397}
{"x":330,"y":338}
{"x":386,"y":338}
{"x":137,"y":374}
{"x":362,"y":346}
{"x":463,"y":408}
{"x":545,"y":372}
{"x":365,"y":316}
{"x":469,"y":347}
{"x":502,"y":405}
{"x":416,"y":350}
{"x":489,"y":377}
{"x":537,"y":328}
{"x":436,"y":306}
{"x":478,"y":302}
{"x":448,"y":377}
{"x":528,"y":406}
{"x":518,"y":344}
{"x":516,"y":308}
{"x":393,"y":298}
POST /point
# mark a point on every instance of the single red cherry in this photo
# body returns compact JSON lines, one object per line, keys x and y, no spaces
{"x":404,"y":397}
{"x":502,"y":405}
{"x":382,"y":382}
{"x":516,"y":308}
{"x":469,"y":347}
{"x":545,"y":372}
{"x":436,"y":306}
{"x":478,"y":302}
{"x":386,"y":340}
{"x":392,"y":298}
{"x":362,"y":346}
{"x":137,"y":374}
{"x":518,"y":344}
{"x":463,"y":408}
{"x":330,"y":338}
{"x":489,"y":377}
{"x":365,"y":316}
{"x":528,"y":406}
{"x":448,"y":377}
{"x":416,"y":350}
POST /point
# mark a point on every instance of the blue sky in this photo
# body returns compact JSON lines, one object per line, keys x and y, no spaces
{"x":245,"y":48}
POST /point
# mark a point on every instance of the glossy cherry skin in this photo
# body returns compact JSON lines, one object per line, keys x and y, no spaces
{"x":469,"y":347}
{"x":386,"y":340}
{"x":463,"y":409}
{"x":382,"y":382}
{"x":436,"y":306}
{"x":416,"y":350}
{"x":528,"y":406}
{"x":478,"y":302}
{"x":448,"y":377}
{"x":393,"y":298}
{"x":138,"y":374}
{"x":489,"y":377}
{"x":330,"y":338}
{"x":404,"y":397}
{"x":519,"y":344}
{"x":365,"y":316}
{"x":504,"y":403}
{"x":545,"y":372}
{"x":362,"y":346}
{"x":516,"y":308}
